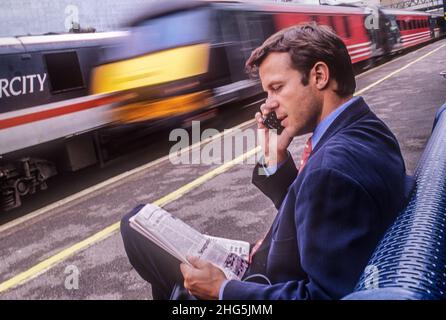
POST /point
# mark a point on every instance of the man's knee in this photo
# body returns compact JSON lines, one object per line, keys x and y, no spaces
{"x":125,"y":226}
{"x":127,"y":232}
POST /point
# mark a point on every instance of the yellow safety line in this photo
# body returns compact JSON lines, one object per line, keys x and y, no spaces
{"x":43,"y":212}
{"x":48,"y":263}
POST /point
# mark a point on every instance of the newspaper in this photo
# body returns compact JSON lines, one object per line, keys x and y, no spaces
{"x":181,"y":241}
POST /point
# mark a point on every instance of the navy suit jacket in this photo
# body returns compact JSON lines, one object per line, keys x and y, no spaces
{"x":331,"y":215}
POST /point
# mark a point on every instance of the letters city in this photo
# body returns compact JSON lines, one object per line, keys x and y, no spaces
{"x":21,"y":85}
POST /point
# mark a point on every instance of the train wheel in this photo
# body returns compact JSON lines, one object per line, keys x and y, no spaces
{"x":8,"y":201}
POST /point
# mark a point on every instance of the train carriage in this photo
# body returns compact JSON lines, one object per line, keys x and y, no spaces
{"x":347,"y":22}
{"x":437,"y":23}
{"x":46,"y":113}
{"x":414,"y":27}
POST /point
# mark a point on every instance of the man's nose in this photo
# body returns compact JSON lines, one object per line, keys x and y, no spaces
{"x":272,"y":103}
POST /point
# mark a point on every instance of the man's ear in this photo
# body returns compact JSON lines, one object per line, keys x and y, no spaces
{"x":322,"y":75}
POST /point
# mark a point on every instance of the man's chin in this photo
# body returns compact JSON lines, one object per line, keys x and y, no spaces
{"x":298,"y":132}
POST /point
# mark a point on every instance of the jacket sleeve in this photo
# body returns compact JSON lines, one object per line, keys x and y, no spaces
{"x":275,"y":186}
{"x":337,"y":226}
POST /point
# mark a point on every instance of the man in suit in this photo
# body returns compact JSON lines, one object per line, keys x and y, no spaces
{"x":333,"y":210}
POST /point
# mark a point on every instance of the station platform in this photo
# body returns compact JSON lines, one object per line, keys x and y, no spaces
{"x":82,"y":233}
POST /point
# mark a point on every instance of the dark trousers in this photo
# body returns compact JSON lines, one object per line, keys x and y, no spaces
{"x":153,"y":264}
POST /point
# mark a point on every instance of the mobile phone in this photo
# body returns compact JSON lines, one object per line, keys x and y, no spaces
{"x":271,"y":122}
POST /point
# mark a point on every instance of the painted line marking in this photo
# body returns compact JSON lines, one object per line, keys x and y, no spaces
{"x":50,"y":262}
{"x":113,"y":180}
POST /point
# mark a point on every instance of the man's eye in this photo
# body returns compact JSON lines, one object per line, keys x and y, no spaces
{"x":277,"y":88}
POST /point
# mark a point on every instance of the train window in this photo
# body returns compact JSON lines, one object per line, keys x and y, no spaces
{"x":227,"y":27}
{"x":64,"y":71}
{"x":403,"y":24}
{"x":331,"y":23}
{"x":162,"y":32}
{"x":398,"y":22}
{"x":255,"y":30}
{"x":346,"y":27}
{"x":315,"y":19}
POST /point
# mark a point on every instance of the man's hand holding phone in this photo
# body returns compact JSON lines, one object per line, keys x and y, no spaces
{"x":274,"y":143}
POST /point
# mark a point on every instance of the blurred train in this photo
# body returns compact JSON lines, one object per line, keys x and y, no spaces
{"x":176,"y":61}
{"x":183,"y":56}
{"x":48,"y":120}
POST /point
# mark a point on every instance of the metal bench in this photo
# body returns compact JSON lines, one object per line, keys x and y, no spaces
{"x":410,"y":260}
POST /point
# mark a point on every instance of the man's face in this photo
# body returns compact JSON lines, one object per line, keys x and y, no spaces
{"x":299,"y":106}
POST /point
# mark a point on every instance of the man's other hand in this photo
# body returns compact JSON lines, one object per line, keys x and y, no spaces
{"x":202,"y":279}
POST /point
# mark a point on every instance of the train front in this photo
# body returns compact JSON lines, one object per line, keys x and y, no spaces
{"x":161,"y":66}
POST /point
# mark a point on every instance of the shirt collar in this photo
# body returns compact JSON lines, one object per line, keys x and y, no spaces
{"x":328,"y":120}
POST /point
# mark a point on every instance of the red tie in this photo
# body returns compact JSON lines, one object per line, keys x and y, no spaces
{"x":255,"y":249}
{"x":306,"y":154}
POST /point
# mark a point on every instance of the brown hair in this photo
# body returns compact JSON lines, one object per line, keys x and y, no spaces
{"x":307,"y":44}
